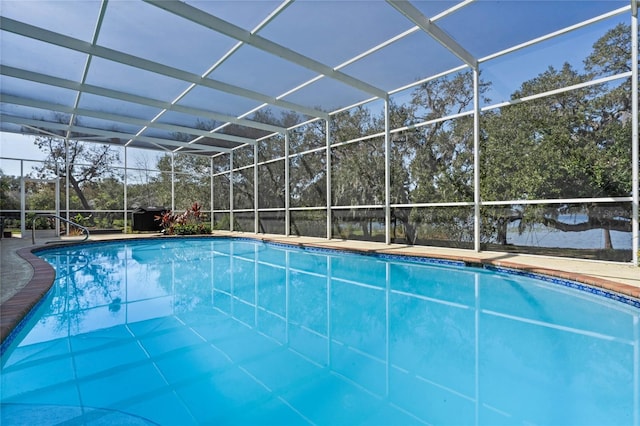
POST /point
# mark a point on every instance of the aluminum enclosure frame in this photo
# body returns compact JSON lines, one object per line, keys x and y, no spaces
{"x":206,"y":142}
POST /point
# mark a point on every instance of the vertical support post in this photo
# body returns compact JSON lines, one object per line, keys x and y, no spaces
{"x":476,"y":160}
{"x":173,"y":181}
{"x":231,"y":191}
{"x":635,"y":156}
{"x":256,"y":218}
{"x":125,"y":192}
{"x":23,"y":202}
{"x":57,"y":208}
{"x":211,"y":192}
{"x":328,"y":165}
{"x":287,"y":187}
{"x":387,"y":175}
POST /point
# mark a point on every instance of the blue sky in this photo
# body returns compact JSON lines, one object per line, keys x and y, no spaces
{"x":16,"y":146}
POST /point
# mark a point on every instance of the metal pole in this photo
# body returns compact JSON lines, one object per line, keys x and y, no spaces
{"x":57,"y":208}
{"x":173,"y":194}
{"x":476,"y":160}
{"x":124,"y":192}
{"x":287,"y":189}
{"x":328,"y":161}
{"x":23,"y":202}
{"x":231,"y":191}
{"x":211,"y":192}
{"x":387,"y":175}
{"x":256,"y":218}
{"x":635,"y":157}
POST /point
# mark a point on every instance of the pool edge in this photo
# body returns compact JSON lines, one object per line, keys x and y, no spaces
{"x":627,"y":290}
{"x":15,"y":309}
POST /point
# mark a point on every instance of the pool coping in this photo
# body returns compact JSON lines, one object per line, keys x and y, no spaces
{"x":14,"y":310}
{"x":17,"y":307}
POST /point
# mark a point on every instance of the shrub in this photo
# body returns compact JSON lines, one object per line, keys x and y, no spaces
{"x":187,"y":223}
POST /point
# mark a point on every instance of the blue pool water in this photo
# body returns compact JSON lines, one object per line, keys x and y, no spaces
{"x":237,"y":332}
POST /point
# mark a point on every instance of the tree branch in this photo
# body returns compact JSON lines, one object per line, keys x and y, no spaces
{"x":591,"y":223}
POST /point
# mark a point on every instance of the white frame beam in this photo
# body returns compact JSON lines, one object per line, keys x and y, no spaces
{"x":328,"y":173}
{"x":91,"y":48}
{"x":85,"y":71}
{"x":128,"y":97}
{"x":61,"y":40}
{"x":477,"y":201}
{"x":196,"y":15}
{"x":387,"y":175}
{"x":287,"y":189}
{"x":231,"y":206}
{"x":47,"y":126}
{"x":426,"y":25}
{"x":635,"y":142}
{"x":75,"y":111}
{"x":256,"y":206}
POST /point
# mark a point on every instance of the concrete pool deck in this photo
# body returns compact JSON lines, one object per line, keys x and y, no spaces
{"x":25,"y":278}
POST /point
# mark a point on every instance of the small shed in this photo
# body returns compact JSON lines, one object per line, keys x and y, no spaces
{"x":144,"y":219}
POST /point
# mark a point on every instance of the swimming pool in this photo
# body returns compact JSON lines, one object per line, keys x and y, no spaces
{"x":233,"y":331}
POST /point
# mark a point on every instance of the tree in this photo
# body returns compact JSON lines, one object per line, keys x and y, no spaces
{"x":308,"y":171}
{"x":142,"y":190}
{"x":191,"y":179}
{"x":192,"y":172}
{"x":357,"y":169}
{"x":573,"y":144}
{"x":438,"y":157}
{"x":88,"y":164}
{"x":9,"y":192}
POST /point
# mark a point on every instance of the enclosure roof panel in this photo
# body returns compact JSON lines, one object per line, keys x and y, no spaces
{"x":208,"y":76}
{"x":486,"y":27}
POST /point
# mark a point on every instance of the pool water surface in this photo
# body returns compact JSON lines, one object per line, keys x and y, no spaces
{"x":241,"y":332}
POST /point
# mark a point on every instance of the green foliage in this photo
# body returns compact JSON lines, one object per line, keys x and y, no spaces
{"x":82,"y":220}
{"x":223,"y":223}
{"x":9,"y":192}
{"x":188,"y":223}
{"x":88,"y":163}
{"x":191,"y":229}
{"x":191,"y":179}
{"x":40,"y":222}
{"x":573,"y":144}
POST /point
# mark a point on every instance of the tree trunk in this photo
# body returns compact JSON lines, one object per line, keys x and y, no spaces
{"x":364,"y":225}
{"x":293,"y":226}
{"x":607,"y":238}
{"x":501,"y":230}
{"x":410,"y":233}
{"x":78,"y":191}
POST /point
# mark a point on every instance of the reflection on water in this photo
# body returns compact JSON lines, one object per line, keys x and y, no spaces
{"x":238,"y":332}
